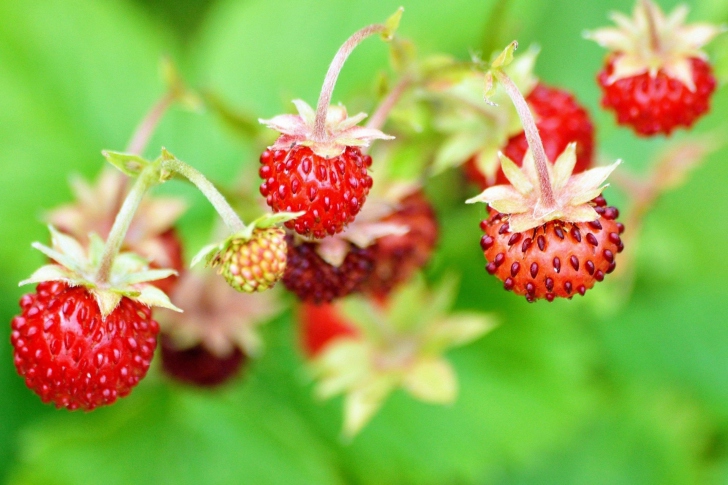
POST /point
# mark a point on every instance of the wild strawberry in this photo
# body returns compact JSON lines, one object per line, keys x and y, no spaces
{"x":319,"y":325}
{"x":316,"y":164}
{"x":560,"y":120}
{"x":83,"y":340}
{"x":656,"y":77}
{"x":556,"y":259}
{"x":546,"y":252}
{"x":217,"y":334}
{"x":151,"y":233}
{"x":326,"y":179}
{"x":313,"y":279}
{"x":397,"y":257}
{"x":199,"y":366}
{"x":73,"y":356}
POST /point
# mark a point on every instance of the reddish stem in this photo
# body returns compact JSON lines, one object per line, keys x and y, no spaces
{"x":532,"y":136}
{"x":649,"y":9}
{"x":148,"y":124}
{"x":319,"y":129}
{"x":380,"y":116}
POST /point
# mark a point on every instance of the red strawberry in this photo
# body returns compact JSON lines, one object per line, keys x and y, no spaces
{"x":320,"y":325}
{"x":69,"y":354}
{"x":656,"y":77}
{"x":199,"y":366}
{"x":397,"y":257}
{"x":555,"y":259}
{"x":330,"y":190}
{"x":658,"y":103}
{"x":86,"y":336}
{"x":560,"y":120}
{"x":313,"y":279}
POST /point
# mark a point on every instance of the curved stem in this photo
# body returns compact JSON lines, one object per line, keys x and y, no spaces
{"x":319,"y":129}
{"x":532,"y":136}
{"x":231,"y":219}
{"x":148,"y":178}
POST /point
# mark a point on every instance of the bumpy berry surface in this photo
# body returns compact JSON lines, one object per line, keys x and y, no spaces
{"x":558,"y":259}
{"x":560,"y":120}
{"x":320,"y":325}
{"x":70,"y":356}
{"x":397,"y":257}
{"x":198,"y":366}
{"x":313,"y":279}
{"x":330,"y":191}
{"x":255,"y":264}
{"x":658,"y":104}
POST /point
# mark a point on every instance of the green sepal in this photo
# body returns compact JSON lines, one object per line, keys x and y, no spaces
{"x":49,"y":272}
{"x":129,"y":163}
{"x":505,"y":57}
{"x":391,"y":24}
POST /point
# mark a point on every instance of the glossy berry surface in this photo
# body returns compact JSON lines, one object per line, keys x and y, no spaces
{"x":320,"y":325}
{"x":198,"y":366}
{"x":557,"y":259}
{"x":560,"y":120}
{"x":330,"y":191}
{"x":70,"y":356}
{"x":313,"y":279}
{"x":397,"y":257}
{"x":657,"y":104}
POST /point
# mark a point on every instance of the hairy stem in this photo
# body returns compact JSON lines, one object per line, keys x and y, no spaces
{"x":319,"y":129}
{"x":231,"y":219}
{"x":649,"y":9}
{"x":148,"y":178}
{"x":532,"y":136}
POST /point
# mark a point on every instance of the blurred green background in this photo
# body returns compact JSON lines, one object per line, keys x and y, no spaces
{"x":598,"y":390}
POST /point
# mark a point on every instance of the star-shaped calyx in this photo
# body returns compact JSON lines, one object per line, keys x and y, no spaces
{"x":529,"y":207}
{"x":651,"y":41}
{"x":75,"y":265}
{"x":341,"y":130}
{"x":401,"y":345}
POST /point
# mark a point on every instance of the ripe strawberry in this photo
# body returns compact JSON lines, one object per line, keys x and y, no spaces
{"x":255,"y":262}
{"x":319,"y":325}
{"x":660,"y":103}
{"x":544,"y":249}
{"x":555,"y":259}
{"x":323,"y":175}
{"x":397,"y":257}
{"x":312,"y":279}
{"x":199,"y":366}
{"x":331,"y":191}
{"x":85,"y":338}
{"x":72,"y":356}
{"x":656,"y":76}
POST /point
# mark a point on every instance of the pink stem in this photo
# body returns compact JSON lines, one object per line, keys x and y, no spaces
{"x":649,"y":8}
{"x":532,"y":136}
{"x":319,"y":129}
{"x":149,"y":123}
{"x":380,"y":116}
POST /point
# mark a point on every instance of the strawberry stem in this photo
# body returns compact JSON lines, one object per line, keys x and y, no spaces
{"x":649,"y":9}
{"x":532,"y":136}
{"x":228,"y":215}
{"x":148,"y":124}
{"x":148,"y":178}
{"x":327,"y":90}
{"x":381,"y":114}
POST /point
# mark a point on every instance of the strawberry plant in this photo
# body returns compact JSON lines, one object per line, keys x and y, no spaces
{"x":308,"y":297}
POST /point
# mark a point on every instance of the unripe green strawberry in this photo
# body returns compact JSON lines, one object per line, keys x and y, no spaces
{"x":255,"y":263}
